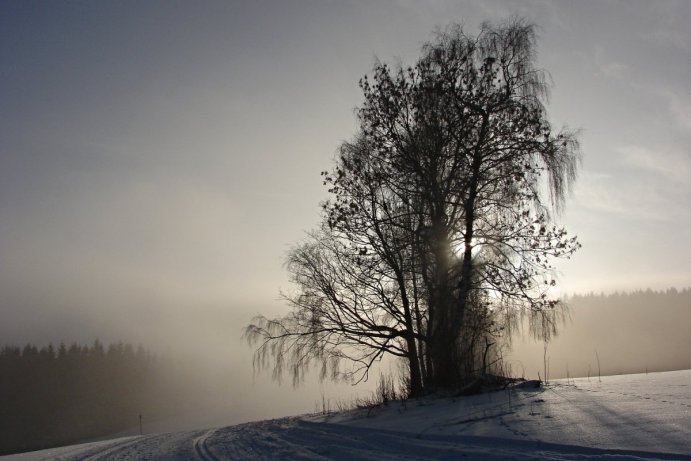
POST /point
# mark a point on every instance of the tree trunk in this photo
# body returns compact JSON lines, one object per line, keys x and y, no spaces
{"x":416,"y":387}
{"x":442,"y":337}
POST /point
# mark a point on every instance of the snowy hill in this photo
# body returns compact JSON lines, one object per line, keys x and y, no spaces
{"x":630,"y":417}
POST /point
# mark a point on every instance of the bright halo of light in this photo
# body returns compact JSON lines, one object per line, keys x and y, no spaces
{"x":459,"y":247}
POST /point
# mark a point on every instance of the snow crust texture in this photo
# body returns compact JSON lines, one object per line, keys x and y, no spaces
{"x":632,"y":417}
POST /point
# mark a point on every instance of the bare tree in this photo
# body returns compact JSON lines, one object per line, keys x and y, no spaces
{"x":440,"y":226}
{"x":357,"y":296}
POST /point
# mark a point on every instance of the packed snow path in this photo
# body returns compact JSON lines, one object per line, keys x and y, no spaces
{"x":624,"y":417}
{"x":303,"y":440}
{"x":295,"y":439}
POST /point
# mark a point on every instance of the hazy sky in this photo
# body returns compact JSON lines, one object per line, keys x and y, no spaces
{"x":158,"y":159}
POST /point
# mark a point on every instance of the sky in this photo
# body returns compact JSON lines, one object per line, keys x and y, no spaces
{"x":159,"y":159}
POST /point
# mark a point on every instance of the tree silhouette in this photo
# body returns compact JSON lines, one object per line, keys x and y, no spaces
{"x":439,"y":231}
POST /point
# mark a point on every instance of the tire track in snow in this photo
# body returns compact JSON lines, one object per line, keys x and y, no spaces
{"x":201,"y":449}
{"x":68,"y":452}
{"x":111,"y":450}
{"x":169,"y":446}
{"x":315,"y":441}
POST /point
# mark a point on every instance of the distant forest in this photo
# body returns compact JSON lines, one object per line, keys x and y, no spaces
{"x":632,"y":332}
{"x":53,"y":396}
{"x":56,"y":396}
{"x":635,"y":332}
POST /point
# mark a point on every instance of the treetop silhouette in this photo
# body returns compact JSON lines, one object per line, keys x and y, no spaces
{"x":439,"y":231}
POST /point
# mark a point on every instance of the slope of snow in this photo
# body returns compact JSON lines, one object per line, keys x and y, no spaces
{"x":629,"y":417}
{"x":642,"y":412}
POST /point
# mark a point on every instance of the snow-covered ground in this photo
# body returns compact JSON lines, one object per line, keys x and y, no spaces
{"x":646,"y":416}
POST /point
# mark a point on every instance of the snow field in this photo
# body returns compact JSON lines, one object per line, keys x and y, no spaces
{"x":632,"y":417}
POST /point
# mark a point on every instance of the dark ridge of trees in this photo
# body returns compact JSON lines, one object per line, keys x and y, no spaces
{"x":439,"y":233}
{"x":52,"y":396}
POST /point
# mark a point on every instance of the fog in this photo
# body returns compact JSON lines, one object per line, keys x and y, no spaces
{"x":223,"y":386}
{"x":628,"y":333}
{"x":618,"y":333}
{"x":158,"y":160}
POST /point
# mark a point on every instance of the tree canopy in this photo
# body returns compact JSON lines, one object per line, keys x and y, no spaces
{"x":440,"y":227}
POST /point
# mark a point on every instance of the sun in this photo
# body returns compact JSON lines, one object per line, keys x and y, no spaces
{"x":458,"y":247}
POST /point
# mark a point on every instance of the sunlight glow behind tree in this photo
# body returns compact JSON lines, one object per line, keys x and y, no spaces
{"x":453,"y":150}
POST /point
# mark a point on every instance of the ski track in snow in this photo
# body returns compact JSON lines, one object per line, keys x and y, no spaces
{"x":635,"y":417}
{"x":171,"y":446}
{"x":302,"y":440}
{"x":202,"y":450}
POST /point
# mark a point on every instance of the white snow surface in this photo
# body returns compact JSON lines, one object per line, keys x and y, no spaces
{"x":629,"y":417}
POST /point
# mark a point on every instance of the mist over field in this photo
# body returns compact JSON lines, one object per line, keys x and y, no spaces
{"x":198,"y":384}
{"x":159,"y":161}
{"x":629,"y":332}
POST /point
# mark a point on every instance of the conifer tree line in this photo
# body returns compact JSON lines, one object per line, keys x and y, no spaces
{"x":56,"y":396}
{"x":440,"y":228}
{"x":633,"y":332}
